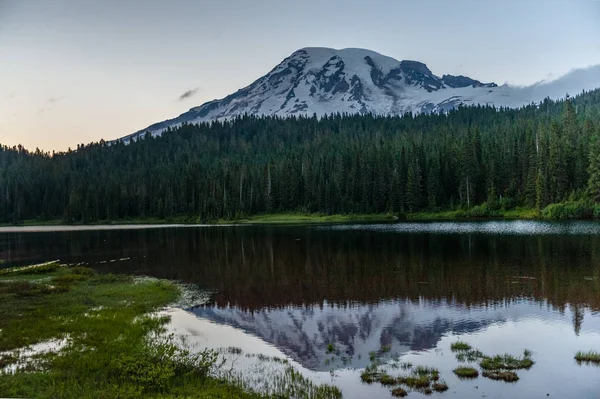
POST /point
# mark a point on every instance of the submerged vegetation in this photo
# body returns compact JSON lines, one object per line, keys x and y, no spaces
{"x":111,"y":344}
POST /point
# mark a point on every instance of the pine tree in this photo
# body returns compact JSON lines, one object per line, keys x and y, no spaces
{"x":593,"y":187}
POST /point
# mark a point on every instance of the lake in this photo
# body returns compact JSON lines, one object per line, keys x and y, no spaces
{"x":328,"y":297}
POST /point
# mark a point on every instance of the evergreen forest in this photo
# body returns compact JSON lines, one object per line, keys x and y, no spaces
{"x":480,"y":160}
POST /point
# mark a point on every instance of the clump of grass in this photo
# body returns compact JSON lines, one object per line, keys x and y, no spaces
{"x":588,"y":357}
{"x":370,"y":374}
{"x":399,"y":392}
{"x":506,"y":362}
{"x":387,"y":379}
{"x":430,"y":372}
{"x":460,"y":346}
{"x":466,"y":372}
{"x":372,"y":356}
{"x":330,"y":348}
{"x":415,"y":381}
{"x":471,"y":355}
{"x":385,"y":348}
{"x":439,"y":386}
{"x":508,"y":376}
{"x":369,"y":377}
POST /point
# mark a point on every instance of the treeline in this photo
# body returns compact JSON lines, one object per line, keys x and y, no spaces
{"x":480,"y":156}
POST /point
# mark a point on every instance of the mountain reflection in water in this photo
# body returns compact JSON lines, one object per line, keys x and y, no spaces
{"x":360,"y":287}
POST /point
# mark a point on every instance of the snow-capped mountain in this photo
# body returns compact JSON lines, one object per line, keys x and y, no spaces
{"x":324,"y":81}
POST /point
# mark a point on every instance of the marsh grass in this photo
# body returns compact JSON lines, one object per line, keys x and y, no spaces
{"x":330,"y":348}
{"x":466,"y":372}
{"x":506,"y":362}
{"x":439,"y":386}
{"x":471,"y":355}
{"x":588,"y":357}
{"x":399,"y":392}
{"x":115,"y":348}
{"x":499,"y":375}
{"x":460,"y":346}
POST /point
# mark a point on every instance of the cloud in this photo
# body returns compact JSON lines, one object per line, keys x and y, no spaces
{"x":41,"y":111}
{"x":12,"y":95}
{"x":54,"y":100}
{"x":188,"y":94}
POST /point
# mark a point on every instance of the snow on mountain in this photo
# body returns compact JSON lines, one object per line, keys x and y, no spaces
{"x":323,"y":81}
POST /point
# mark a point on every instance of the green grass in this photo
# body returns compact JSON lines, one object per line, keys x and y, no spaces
{"x":475,"y":213}
{"x":588,"y":357}
{"x":115,"y":349}
{"x":387,"y":379}
{"x":300,"y":218}
{"x":385,"y":348}
{"x":330,"y":348}
{"x":460,"y":346}
{"x":506,"y":362}
{"x":466,"y":372}
{"x":471,"y":355}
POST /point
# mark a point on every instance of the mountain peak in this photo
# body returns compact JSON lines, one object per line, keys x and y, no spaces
{"x":321,"y":80}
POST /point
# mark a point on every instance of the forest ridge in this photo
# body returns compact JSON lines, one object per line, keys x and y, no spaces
{"x":479,"y":159}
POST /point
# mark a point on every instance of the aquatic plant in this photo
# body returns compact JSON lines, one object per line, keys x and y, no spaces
{"x":399,"y":392}
{"x":387,"y":379}
{"x":439,"y":386}
{"x":588,"y":357}
{"x":460,"y":346}
{"x":471,"y":355}
{"x":508,"y":376}
{"x":330,"y":348}
{"x":385,"y":348}
{"x":466,"y":372}
{"x":506,"y":362}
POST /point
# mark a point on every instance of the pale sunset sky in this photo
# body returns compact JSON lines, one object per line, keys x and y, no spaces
{"x":77,"y":71}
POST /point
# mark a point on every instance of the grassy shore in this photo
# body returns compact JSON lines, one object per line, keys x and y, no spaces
{"x":475,"y":214}
{"x":562,"y":211}
{"x":300,"y":218}
{"x":113,"y":346}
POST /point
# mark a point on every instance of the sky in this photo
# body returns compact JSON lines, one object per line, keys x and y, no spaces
{"x":77,"y":71}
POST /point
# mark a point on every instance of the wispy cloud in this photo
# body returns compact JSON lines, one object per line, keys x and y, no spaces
{"x":54,"y":100}
{"x":188,"y":94}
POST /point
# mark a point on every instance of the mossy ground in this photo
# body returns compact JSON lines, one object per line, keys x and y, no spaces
{"x":115,"y":348}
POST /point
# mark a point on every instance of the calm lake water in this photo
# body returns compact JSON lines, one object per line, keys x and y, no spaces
{"x":413,"y":288}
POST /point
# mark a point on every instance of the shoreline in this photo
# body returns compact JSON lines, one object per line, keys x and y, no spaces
{"x":477,"y":213}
